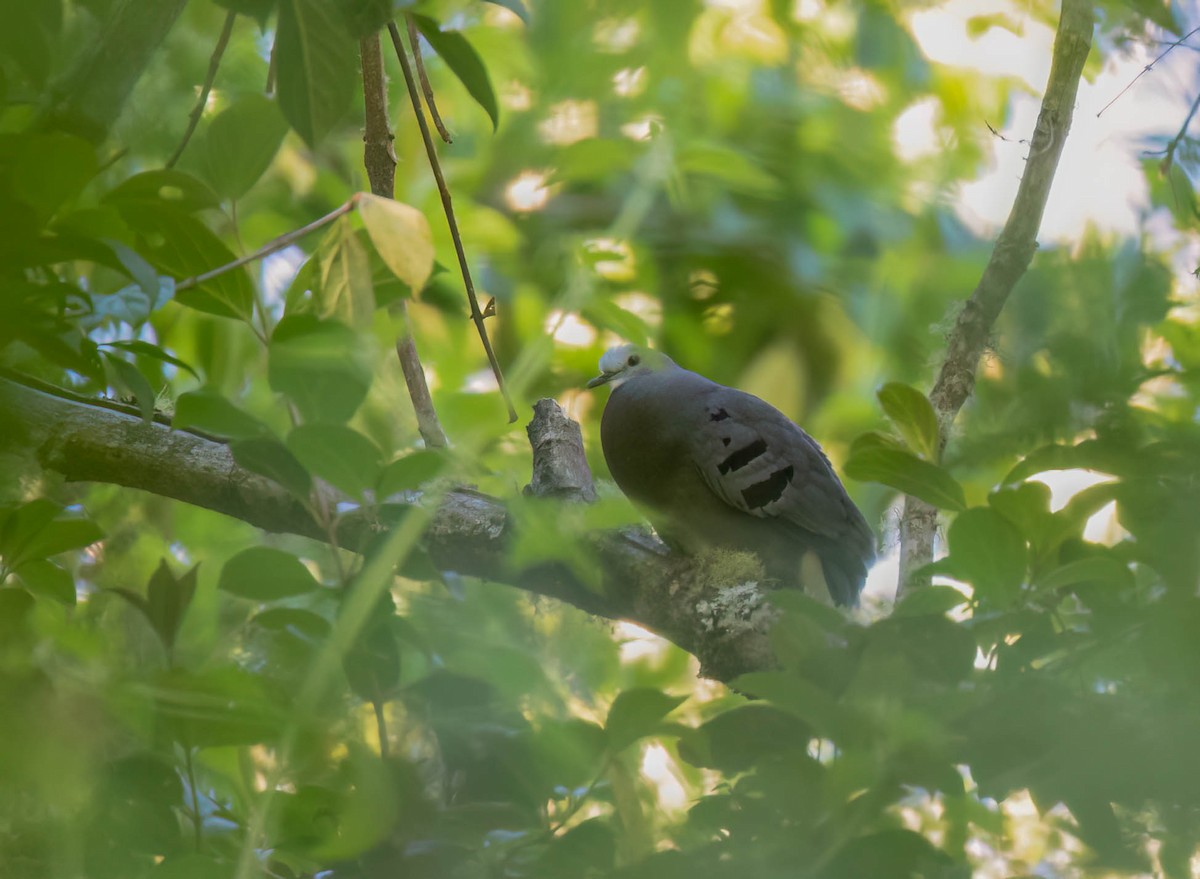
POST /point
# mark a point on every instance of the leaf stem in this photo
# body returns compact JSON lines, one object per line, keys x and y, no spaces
{"x":426,"y":89}
{"x":214,"y":64}
{"x":270,"y":247}
{"x":448,"y":208}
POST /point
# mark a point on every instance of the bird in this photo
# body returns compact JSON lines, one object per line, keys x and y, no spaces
{"x":715,"y":467}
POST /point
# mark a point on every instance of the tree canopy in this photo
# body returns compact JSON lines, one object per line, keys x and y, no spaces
{"x":288,"y":590}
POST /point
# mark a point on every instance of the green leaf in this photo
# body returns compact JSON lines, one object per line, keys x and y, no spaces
{"x":913,"y":415}
{"x":340,"y":455}
{"x":138,"y":269}
{"x":799,"y":697}
{"x":515,"y":6}
{"x":269,"y":457}
{"x":217,"y":706}
{"x":637,"y":713}
{"x":46,"y":171}
{"x":209,"y":411}
{"x":412,"y":471}
{"x":29,"y":35}
{"x":401,"y":236}
{"x":1087,"y":455}
{"x":464,"y":62}
{"x":181,"y":246}
{"x":323,"y":366}
{"x":987,"y":552}
{"x":372,"y":664}
{"x":262,"y":573}
{"x":165,"y":187}
{"x":737,"y":739}
{"x":293,"y":620}
{"x":1102,"y":569}
{"x":935,"y":599}
{"x":42,"y":577}
{"x":241,"y":143}
{"x":167,"y":600}
{"x":259,"y":10}
{"x":20,"y":524}
{"x":902,"y":470}
{"x":316,"y":60}
{"x":132,"y":380}
{"x":63,"y":535}
{"x":345,"y":290}
{"x":593,"y":158}
{"x":145,"y":349}
{"x":728,"y":166}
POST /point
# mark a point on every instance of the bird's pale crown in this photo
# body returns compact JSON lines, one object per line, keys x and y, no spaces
{"x":623,"y":362}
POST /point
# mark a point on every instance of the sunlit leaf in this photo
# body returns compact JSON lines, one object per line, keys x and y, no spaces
{"x":401,"y":236}
{"x":344,"y":289}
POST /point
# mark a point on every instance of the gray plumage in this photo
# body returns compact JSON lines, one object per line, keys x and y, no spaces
{"x":717,"y":467}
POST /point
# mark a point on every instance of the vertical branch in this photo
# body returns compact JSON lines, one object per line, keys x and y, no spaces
{"x":1010,"y":258}
{"x":214,"y":63}
{"x":431,"y":151}
{"x":379,"y":159}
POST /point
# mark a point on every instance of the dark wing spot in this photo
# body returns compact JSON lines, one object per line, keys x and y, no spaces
{"x":725,"y":440}
{"x":769,"y":490}
{"x":719,"y":415}
{"x":742,"y":456}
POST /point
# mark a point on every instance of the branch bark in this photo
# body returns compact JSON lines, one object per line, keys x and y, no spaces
{"x":640,"y":580}
{"x":379,"y":158}
{"x":1010,"y":258}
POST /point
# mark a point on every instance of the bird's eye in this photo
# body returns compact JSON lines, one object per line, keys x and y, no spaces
{"x":634,"y":360}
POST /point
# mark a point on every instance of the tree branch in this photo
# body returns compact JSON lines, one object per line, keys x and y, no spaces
{"x":379,"y":158}
{"x":639,"y":578}
{"x":1010,"y":258}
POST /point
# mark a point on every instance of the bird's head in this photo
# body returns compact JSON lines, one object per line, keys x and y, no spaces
{"x":624,"y":362}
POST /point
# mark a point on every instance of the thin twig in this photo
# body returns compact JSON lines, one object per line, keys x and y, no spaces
{"x":444,"y":191}
{"x":1165,"y":165}
{"x":270,"y":247}
{"x":1149,"y":67}
{"x":379,"y":159}
{"x":381,"y":727}
{"x":269,"y":88}
{"x":213,"y":64}
{"x":197,"y":820}
{"x":414,"y":40}
{"x":1010,"y":258}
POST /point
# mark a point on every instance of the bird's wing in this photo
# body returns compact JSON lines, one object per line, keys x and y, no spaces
{"x":759,"y":462}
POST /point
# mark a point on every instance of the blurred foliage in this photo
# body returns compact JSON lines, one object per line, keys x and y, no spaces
{"x":183,"y":696}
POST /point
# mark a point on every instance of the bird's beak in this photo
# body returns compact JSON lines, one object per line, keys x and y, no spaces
{"x":602,"y":379}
